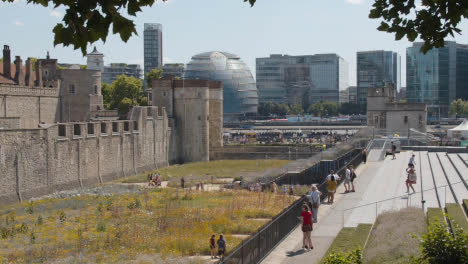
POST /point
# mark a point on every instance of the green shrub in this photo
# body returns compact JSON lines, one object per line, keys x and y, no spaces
{"x":40,"y":221}
{"x":438,"y":245}
{"x":353,"y":257}
{"x":101,"y":227}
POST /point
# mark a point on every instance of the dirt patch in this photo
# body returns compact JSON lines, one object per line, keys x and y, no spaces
{"x":391,"y":240}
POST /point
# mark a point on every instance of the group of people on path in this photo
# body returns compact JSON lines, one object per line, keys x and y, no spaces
{"x":221,"y":243}
{"x":154,"y":179}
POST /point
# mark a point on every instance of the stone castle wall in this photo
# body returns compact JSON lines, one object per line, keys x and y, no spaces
{"x":40,"y":161}
{"x":33,"y":104}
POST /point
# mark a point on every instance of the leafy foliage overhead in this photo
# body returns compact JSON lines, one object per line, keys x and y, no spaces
{"x":87,"y":21}
{"x":430,"y":20}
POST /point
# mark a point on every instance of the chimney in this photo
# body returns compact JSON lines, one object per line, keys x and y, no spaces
{"x":38,"y":73}
{"x":6,"y":62}
{"x":19,"y":74}
{"x":29,"y":74}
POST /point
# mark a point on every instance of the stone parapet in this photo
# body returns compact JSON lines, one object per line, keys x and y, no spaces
{"x":17,"y":90}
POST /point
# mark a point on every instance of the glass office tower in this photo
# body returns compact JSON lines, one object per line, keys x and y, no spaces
{"x":301,"y":79}
{"x":152,"y":39}
{"x":239,"y":89}
{"x":438,"y":77}
{"x":376,"y":68}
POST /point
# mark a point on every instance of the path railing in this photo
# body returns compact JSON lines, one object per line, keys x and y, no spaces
{"x":260,"y":244}
{"x":385,"y":205}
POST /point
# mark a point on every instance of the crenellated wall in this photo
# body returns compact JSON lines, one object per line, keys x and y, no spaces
{"x":41,"y":161}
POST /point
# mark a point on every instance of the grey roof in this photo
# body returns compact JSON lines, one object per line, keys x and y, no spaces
{"x":95,"y":52}
{"x":208,"y":54}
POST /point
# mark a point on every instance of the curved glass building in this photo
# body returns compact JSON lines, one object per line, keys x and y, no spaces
{"x":239,"y":88}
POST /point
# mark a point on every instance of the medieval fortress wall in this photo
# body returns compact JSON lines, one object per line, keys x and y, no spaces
{"x":55,"y":134}
{"x":34,"y":162}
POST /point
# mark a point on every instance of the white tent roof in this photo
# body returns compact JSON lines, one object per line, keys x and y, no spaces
{"x":462,"y":127}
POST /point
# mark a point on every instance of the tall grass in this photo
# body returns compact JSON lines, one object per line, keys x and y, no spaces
{"x":211,"y":169}
{"x":169,"y":223}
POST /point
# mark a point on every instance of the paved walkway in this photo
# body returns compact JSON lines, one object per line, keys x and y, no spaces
{"x":377,"y":180}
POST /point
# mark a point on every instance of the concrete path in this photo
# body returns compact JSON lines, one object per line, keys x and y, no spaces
{"x":376,"y":181}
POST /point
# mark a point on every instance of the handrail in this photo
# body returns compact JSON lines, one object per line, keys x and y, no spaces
{"x":400,"y":196}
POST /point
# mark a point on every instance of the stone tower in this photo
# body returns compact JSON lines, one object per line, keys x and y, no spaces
{"x":196,"y":109}
{"x":95,"y":60}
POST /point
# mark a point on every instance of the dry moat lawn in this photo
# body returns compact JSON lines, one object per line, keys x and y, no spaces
{"x":216,"y":169}
{"x":121,"y":228}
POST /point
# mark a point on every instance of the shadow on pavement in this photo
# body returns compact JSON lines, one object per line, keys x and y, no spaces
{"x":295,"y":253}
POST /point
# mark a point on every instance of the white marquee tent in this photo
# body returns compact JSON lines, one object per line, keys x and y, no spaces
{"x":459,"y":131}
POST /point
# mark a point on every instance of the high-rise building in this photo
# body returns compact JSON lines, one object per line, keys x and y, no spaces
{"x":438,"y":77}
{"x":152,"y":38}
{"x":301,"y":79}
{"x":114,"y":70}
{"x":377,"y":68}
{"x":352,"y":92}
{"x":174,"y":69}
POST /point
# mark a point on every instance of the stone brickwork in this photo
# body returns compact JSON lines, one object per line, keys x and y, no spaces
{"x":40,"y":161}
{"x":384,"y":113}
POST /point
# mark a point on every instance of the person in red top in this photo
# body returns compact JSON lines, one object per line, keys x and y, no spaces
{"x":213,"y":247}
{"x":306,"y":217}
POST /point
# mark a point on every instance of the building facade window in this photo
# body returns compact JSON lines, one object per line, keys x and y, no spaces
{"x":71,"y":89}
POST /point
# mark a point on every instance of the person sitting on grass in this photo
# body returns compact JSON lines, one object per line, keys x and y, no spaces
{"x":213,"y":247}
{"x":332,"y":185}
{"x":221,"y":246}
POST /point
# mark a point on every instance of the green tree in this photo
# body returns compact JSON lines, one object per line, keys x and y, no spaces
{"x":438,"y":245}
{"x":124,"y":105}
{"x":330,"y":109}
{"x":86,"y":22}
{"x":459,"y":107}
{"x":125,"y":87}
{"x":107,"y":95}
{"x":296,"y":109}
{"x":154,"y":74}
{"x":266,"y":109}
{"x":281,"y":109}
{"x":316,"y":109}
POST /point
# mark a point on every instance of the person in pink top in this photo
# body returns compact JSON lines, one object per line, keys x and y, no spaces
{"x":307,"y":227}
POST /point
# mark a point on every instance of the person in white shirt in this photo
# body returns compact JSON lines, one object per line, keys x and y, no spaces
{"x":332,"y":173}
{"x":347,"y":180}
{"x":314,"y":200}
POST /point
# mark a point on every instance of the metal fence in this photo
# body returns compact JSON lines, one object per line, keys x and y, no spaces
{"x":254,"y":249}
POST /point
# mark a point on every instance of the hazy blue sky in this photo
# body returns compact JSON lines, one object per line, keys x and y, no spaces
{"x":295,"y":27}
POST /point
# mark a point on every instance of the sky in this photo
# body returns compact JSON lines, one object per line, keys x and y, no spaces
{"x":294,"y":27}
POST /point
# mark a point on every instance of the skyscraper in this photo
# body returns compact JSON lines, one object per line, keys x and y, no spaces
{"x":374,"y":68}
{"x":152,"y":38}
{"x":301,"y":79}
{"x":438,"y":77}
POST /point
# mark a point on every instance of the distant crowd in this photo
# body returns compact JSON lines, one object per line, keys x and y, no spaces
{"x":285,"y":138}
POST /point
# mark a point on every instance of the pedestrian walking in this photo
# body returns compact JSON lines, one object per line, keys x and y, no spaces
{"x":307,"y":227}
{"x":393,"y":150}
{"x":332,"y":173}
{"x":347,"y":180}
{"x":314,"y":200}
{"x":274,"y":187}
{"x":221,"y":246}
{"x":182,"y":182}
{"x":150,"y":179}
{"x":332,"y":185}
{"x":213,"y":247}
{"x":364,"y":156}
{"x":411,"y":161}
{"x":411,"y":179}
{"x":353,"y":177}
{"x":291,"y":190}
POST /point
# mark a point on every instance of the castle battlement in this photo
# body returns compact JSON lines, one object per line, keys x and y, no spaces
{"x":19,"y":90}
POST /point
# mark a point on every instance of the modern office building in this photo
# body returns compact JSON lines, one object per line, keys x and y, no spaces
{"x":239,"y":89}
{"x":377,"y":68}
{"x":153,"y":49}
{"x":344,"y":96}
{"x":301,"y":79}
{"x":174,"y":69}
{"x":438,"y":77}
{"x":112,"y":72}
{"x":353,"y":95}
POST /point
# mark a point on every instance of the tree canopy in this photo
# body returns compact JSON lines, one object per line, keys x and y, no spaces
{"x":123,"y":93}
{"x":459,"y":107}
{"x":154,"y":74}
{"x":87,"y":21}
